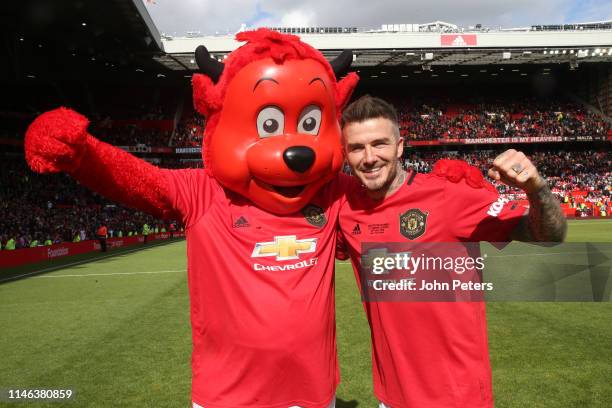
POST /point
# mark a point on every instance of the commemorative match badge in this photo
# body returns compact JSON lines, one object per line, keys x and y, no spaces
{"x":413,"y":223}
{"x":314,"y":215}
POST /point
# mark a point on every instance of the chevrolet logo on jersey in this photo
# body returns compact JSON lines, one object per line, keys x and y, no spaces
{"x":285,"y":247}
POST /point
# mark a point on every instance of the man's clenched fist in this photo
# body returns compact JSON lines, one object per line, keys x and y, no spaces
{"x":516,"y":170}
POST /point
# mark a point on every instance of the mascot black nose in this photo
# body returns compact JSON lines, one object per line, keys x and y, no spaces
{"x":299,"y":158}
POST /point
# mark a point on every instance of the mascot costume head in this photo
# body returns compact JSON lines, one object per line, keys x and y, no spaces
{"x":272,"y":109}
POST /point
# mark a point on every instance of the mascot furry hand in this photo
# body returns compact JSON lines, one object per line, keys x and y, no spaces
{"x":261,"y":219}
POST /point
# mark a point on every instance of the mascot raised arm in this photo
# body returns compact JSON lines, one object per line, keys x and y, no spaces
{"x":260,"y":219}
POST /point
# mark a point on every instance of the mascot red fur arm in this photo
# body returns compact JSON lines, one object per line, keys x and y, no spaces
{"x":457,"y":170}
{"x":58,"y":141}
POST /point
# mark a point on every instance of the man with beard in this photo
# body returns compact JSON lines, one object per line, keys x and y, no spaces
{"x":432,"y":354}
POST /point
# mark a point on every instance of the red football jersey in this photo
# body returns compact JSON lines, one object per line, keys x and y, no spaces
{"x":429,"y":354}
{"x":261,"y":290}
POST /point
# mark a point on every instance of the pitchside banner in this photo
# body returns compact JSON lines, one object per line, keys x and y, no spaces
{"x":511,"y":140}
{"x":187,"y":150}
{"x":471,"y":272}
{"x":25,"y":256}
{"x":497,"y":140}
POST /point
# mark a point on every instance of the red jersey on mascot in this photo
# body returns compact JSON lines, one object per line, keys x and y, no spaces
{"x":260,"y":219}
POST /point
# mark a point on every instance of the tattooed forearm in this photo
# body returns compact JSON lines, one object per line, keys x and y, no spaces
{"x":545,"y":221}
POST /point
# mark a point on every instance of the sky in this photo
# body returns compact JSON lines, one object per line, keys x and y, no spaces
{"x":177,"y":17}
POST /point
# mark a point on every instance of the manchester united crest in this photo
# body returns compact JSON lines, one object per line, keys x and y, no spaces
{"x":314,"y":215}
{"x":413,"y":223}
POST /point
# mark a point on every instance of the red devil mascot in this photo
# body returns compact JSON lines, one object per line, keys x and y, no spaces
{"x":260,"y":219}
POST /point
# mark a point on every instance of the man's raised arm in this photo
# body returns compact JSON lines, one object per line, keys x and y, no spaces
{"x":545,"y":221}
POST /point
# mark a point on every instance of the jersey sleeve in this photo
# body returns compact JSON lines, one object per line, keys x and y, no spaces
{"x":191,"y":192}
{"x":481,"y":214}
{"x":341,"y":186}
{"x":342,"y":251}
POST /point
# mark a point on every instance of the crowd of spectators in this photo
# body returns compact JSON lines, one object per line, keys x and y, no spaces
{"x":432,"y":118}
{"x":40,"y":209}
{"x":145,"y":130}
{"x":129,"y":135}
{"x":190,"y":132}
{"x":495,"y":119}
{"x":570,"y":174}
{"x":443,"y":119}
{"x":54,"y":208}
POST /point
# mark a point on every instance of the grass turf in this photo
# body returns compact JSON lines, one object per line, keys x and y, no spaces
{"x":123,"y":340}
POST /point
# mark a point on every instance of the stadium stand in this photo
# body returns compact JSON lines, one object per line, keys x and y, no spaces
{"x":455,"y":99}
{"x":497,"y":118}
{"x":55,"y":208}
{"x":190,"y":132}
{"x":582,"y":180}
{"x":58,"y":209}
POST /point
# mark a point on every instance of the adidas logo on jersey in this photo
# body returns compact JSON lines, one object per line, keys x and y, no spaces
{"x":241,"y":223}
{"x":356,"y":230}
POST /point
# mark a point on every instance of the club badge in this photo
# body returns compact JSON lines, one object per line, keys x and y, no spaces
{"x":413,"y":223}
{"x":314,"y":215}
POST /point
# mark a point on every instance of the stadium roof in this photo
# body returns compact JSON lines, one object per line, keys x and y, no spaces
{"x":70,"y":38}
{"x":397,"y":48}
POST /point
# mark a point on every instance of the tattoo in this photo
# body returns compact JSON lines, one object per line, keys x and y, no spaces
{"x":545,"y":221}
{"x":399,"y":180}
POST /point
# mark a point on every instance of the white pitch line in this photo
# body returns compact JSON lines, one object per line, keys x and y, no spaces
{"x":588,"y":222}
{"x":108,"y":274}
{"x":52,"y":268}
{"x":520,"y":255}
{"x":184,"y":270}
{"x":544,"y":254}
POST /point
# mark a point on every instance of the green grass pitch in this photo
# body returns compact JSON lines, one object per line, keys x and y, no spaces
{"x":122,"y":339}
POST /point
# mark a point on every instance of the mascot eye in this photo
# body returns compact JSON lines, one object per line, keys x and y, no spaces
{"x":310,"y":120}
{"x":270,"y":122}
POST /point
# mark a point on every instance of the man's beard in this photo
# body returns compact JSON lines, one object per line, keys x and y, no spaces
{"x":386,"y":185}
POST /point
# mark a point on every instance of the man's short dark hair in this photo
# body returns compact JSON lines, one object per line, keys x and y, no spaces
{"x":368,"y":107}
